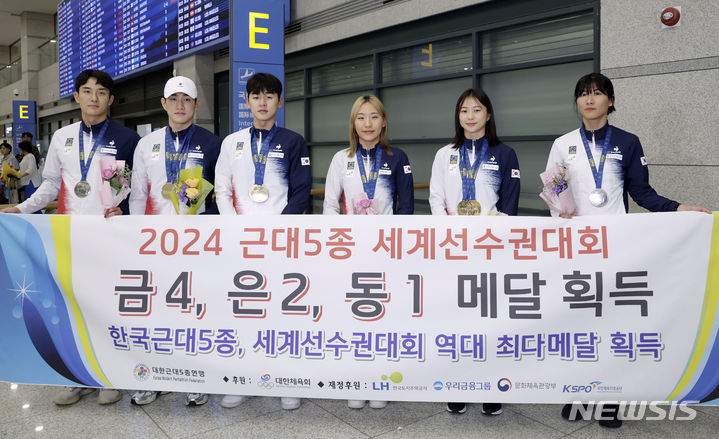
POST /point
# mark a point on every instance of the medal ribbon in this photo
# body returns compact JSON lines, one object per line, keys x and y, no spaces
{"x":174,"y":161}
{"x":260,"y":159}
{"x":597,"y":171}
{"x":85,"y":166}
{"x":369,"y":183}
{"x":469,"y":173}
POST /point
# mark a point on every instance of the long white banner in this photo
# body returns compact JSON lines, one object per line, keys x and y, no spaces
{"x":416,"y":308}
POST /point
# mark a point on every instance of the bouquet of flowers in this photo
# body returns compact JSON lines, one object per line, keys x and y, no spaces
{"x":556,"y":191}
{"x":115,"y":181}
{"x":8,"y":172}
{"x":190,"y":191}
{"x":362,"y":205}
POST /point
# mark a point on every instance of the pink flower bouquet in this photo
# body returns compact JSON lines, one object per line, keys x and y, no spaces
{"x":361,"y":205}
{"x":115,"y":181}
{"x":556,"y":191}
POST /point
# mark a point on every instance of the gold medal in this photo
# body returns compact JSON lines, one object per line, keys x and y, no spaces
{"x":167,"y":189}
{"x":259,"y":194}
{"x":469,"y":207}
{"x":463,"y":207}
{"x":475,"y":207}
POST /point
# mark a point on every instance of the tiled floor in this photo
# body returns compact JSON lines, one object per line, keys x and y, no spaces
{"x":27,"y":412}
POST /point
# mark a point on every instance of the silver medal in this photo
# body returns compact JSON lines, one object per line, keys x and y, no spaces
{"x":82,"y":188}
{"x":598,"y":197}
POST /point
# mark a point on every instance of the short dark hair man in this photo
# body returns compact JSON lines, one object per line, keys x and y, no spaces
{"x":72,"y":169}
{"x":281,"y":180}
{"x":263,"y":169}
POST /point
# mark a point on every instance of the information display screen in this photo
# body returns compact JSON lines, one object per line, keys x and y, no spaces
{"x":124,"y":36}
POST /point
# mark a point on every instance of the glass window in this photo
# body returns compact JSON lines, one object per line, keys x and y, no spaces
{"x":48,"y":53}
{"x":15,"y":51}
{"x":538,"y":101}
{"x":10,"y":73}
{"x":330,"y":117}
{"x":321,"y":157}
{"x":429,"y":59}
{"x":222,"y":104}
{"x":421,"y":156}
{"x":563,"y":36}
{"x":294,"y":84}
{"x":532,"y":158}
{"x":342,"y":75}
{"x":421,"y":111}
{"x":295,"y":116}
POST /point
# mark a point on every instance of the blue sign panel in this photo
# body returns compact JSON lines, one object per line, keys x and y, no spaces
{"x":23,"y":118}
{"x":257,"y":45}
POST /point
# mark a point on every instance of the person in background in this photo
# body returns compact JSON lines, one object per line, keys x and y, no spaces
{"x":27,"y":137}
{"x":29,"y":174}
{"x":8,"y":194}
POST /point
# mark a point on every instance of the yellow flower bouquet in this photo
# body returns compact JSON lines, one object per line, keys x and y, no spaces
{"x":190,"y":191}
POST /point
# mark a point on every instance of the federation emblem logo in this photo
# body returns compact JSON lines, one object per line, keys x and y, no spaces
{"x":407,"y":169}
{"x":239,"y":146}
{"x":453,"y":160}
{"x":156,"y":147}
{"x":350,"y":165}
{"x":142,"y":372}
{"x":68,"y":141}
{"x":305,"y":161}
{"x":515,"y":173}
{"x":573,"y":149}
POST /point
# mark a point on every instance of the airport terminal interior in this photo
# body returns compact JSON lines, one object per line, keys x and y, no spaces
{"x":417,"y":56}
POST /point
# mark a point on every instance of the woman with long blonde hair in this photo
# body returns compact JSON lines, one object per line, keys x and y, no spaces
{"x":370,"y":177}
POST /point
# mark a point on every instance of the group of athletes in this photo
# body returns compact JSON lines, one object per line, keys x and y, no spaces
{"x":265,"y":169}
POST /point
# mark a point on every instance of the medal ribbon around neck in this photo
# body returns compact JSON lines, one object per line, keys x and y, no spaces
{"x":597,"y":171}
{"x":85,"y":166}
{"x":469,"y":173}
{"x":175,"y":161}
{"x":260,"y":159}
{"x":369,"y":183}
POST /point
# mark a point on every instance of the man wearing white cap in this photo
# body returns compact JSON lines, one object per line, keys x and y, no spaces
{"x":159,"y":157}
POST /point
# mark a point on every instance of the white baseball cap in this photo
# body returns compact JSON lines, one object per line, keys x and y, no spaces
{"x":180,"y":84}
